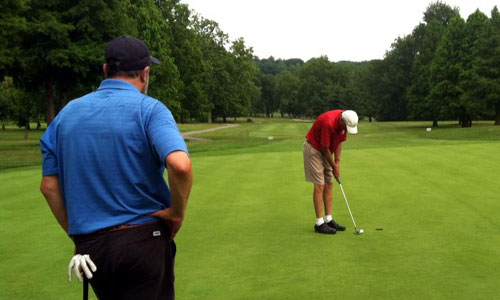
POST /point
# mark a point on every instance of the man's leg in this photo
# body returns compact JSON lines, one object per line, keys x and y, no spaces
{"x":313,"y":167}
{"x":321,"y":226}
{"x":327,"y":198}
{"x":318,"y":200}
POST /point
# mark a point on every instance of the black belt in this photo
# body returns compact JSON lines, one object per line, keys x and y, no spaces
{"x":123,"y":226}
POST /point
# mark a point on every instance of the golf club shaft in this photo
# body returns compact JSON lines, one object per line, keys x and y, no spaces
{"x":85,"y":288}
{"x":347,"y":203}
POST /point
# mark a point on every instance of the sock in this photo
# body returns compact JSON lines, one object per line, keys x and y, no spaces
{"x":328,"y":218}
{"x":319,"y":221}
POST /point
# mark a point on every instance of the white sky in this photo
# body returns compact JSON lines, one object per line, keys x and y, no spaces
{"x":353,"y":30}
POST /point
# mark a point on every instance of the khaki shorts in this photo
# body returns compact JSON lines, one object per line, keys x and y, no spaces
{"x":316,"y":167}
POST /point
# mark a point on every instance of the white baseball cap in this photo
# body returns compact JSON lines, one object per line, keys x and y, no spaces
{"x":350,"y":119}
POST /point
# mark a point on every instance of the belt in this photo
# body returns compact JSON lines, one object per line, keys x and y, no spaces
{"x":123,"y":226}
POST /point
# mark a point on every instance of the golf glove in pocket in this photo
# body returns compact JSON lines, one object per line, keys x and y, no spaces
{"x":81,"y":264}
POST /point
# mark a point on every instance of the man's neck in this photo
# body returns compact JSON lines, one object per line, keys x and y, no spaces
{"x":133,"y":81}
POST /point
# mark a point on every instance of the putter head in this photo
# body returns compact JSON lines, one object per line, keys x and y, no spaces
{"x":358,"y":232}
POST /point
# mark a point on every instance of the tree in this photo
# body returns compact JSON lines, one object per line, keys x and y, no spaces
{"x":61,"y":45}
{"x":427,"y":36}
{"x":441,"y":12}
{"x":469,"y":105}
{"x":243,"y":74}
{"x":395,"y":78}
{"x":146,"y":20}
{"x":187,"y":54}
{"x":216,"y":80}
{"x":8,"y":97}
{"x":270,"y":65}
{"x":445,"y":71}
{"x":323,"y":86}
{"x":269,"y":99}
{"x":488,"y":74}
{"x":287,"y":93}
{"x":13,"y":24}
{"x":477,"y":79}
{"x":369,"y":88}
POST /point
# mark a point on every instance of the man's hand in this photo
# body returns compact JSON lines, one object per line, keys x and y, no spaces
{"x":79,"y":265}
{"x":167,"y":216}
{"x":336,"y":169}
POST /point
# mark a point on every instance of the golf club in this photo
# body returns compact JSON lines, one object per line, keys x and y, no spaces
{"x":85,"y":288}
{"x":360,"y":231}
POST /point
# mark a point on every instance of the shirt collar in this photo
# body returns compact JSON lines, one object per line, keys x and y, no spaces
{"x":117,"y":84}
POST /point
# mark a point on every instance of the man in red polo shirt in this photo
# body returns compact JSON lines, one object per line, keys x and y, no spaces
{"x":324,"y":140}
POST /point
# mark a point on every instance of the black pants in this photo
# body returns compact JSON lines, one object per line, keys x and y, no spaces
{"x":133,"y":263}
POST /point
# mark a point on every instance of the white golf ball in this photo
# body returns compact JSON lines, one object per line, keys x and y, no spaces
{"x":361,"y":231}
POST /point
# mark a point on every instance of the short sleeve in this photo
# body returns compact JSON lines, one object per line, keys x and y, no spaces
{"x":163,"y":132}
{"x":48,"y":146}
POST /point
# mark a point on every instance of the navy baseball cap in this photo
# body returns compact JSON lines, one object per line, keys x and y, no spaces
{"x":126,"y":53}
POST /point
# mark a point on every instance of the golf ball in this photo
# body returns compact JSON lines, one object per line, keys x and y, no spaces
{"x":361,"y":231}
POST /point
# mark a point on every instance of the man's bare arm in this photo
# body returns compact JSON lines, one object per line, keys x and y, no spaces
{"x":52,"y":192}
{"x":180,"y":179}
{"x":329,"y":157}
{"x":337,"y":153}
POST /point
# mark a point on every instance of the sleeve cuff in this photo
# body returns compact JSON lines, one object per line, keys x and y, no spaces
{"x":48,"y":172}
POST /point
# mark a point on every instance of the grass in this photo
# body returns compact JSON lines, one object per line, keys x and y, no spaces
{"x":248,"y":233}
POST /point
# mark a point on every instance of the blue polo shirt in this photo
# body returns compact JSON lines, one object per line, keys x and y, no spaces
{"x":108,"y":149}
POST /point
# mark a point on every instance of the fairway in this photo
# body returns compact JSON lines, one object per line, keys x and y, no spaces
{"x":249,"y":232}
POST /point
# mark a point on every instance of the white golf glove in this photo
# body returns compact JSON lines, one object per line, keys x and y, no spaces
{"x":78,"y":264}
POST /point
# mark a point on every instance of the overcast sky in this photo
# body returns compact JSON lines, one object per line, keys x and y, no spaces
{"x":353,"y":30}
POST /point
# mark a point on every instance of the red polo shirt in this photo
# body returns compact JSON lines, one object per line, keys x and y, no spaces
{"x":326,"y":131}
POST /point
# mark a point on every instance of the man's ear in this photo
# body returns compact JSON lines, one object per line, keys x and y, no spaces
{"x":144,"y":74}
{"x":105,"y":70}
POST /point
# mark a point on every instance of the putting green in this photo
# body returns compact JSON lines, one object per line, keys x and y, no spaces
{"x":249,"y":229}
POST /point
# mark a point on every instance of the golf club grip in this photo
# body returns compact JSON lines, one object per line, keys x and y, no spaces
{"x":85,"y":288}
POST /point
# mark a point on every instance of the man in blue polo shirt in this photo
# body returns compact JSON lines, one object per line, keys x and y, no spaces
{"x":104,"y":157}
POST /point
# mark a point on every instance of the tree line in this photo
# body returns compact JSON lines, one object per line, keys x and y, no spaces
{"x":52,"y":51}
{"x":448,"y":68}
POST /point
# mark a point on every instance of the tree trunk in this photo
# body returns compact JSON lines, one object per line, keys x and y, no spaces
{"x":38,"y":125}
{"x":435,"y":123}
{"x":497,"y":114}
{"x":210,"y":117}
{"x":26,"y":129}
{"x":370,"y":119}
{"x":466,"y":122}
{"x":64,"y":98}
{"x":49,"y":109}
{"x":224,"y":119}
{"x":3,"y":126}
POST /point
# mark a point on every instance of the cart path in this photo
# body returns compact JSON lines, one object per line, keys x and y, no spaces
{"x":188,"y":135}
